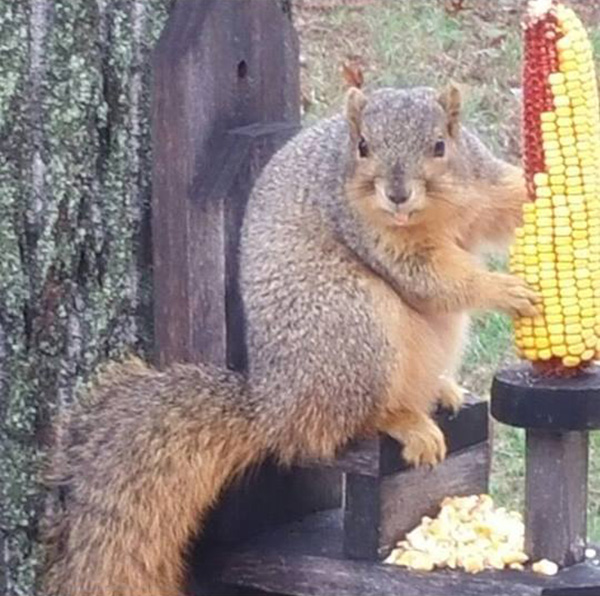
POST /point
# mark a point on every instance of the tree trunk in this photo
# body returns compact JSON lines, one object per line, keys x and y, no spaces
{"x":74,"y":234}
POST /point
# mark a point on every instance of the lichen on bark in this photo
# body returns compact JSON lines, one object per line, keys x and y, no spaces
{"x":74,"y":197}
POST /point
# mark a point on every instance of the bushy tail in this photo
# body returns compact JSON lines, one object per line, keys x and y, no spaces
{"x":139,"y":465}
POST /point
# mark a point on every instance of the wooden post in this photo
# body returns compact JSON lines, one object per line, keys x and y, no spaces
{"x":555,"y":495}
{"x":379,"y":510}
{"x":557,"y":413}
{"x":225,"y":97}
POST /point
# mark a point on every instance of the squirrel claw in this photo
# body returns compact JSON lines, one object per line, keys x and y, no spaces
{"x":516,"y":297}
{"x":424,"y":446}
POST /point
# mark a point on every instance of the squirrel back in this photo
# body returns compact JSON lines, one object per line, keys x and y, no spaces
{"x":355,"y":271}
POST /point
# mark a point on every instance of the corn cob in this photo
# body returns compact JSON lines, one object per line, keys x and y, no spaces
{"x":557,"y":249}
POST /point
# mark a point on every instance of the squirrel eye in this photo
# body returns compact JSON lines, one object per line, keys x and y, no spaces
{"x":363,"y":148}
{"x":439,"y":148}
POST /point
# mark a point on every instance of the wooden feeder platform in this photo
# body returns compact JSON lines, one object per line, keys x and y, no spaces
{"x":306,"y":558}
{"x":225,"y":97}
{"x":338,"y":550}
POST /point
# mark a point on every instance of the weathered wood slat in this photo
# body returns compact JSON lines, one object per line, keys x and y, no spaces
{"x":363,"y":522}
{"x":305,"y":559}
{"x":383,"y":455}
{"x":378,"y":511}
{"x":315,"y":576}
{"x":218,"y":66}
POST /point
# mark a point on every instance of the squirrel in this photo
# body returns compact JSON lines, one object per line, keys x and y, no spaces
{"x":359,"y":263}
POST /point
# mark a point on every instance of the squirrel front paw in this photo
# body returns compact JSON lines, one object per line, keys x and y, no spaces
{"x":424,"y":446}
{"x":424,"y":443}
{"x":512,"y":295}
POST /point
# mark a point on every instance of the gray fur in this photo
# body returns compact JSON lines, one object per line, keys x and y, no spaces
{"x":313,"y":343}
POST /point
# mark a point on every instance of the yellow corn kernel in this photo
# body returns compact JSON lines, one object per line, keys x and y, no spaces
{"x":588,"y":354}
{"x":529,"y":342}
{"x":545,"y":567}
{"x":559,"y":351}
{"x":571,"y":361}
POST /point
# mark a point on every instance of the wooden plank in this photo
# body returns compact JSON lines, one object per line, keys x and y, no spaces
{"x":383,"y":455}
{"x":379,"y":511}
{"x":407,"y":496}
{"x":213,"y":72}
{"x":305,"y":559}
{"x":581,"y":579}
{"x":362,"y":516}
{"x":306,"y":575}
{"x":556,"y":495}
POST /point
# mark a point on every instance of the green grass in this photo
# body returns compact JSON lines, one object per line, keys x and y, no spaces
{"x":405,"y":43}
{"x":595,"y":39}
{"x":418,"y":43}
{"x":489,"y":346}
{"x":439,"y":48}
{"x":507,"y":481}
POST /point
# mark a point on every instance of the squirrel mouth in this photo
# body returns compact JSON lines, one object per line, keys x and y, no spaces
{"x":401,"y":218}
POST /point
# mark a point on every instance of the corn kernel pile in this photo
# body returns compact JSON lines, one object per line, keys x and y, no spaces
{"x":557,"y":250}
{"x":469,"y":533}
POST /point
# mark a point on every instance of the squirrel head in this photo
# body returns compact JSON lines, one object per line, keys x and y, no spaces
{"x":411,"y":162}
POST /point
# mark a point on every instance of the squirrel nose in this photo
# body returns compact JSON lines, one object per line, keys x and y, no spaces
{"x":400,"y":197}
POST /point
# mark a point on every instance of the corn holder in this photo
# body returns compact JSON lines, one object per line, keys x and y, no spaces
{"x":555,"y":393}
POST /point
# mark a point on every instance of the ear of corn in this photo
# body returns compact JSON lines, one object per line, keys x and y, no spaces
{"x":557,"y":250}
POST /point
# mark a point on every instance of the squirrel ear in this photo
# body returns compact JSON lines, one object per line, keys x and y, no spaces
{"x":355,"y":104}
{"x":353,"y":74}
{"x":450,"y":100}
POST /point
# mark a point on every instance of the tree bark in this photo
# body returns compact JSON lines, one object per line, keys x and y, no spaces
{"x":75,"y":280}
